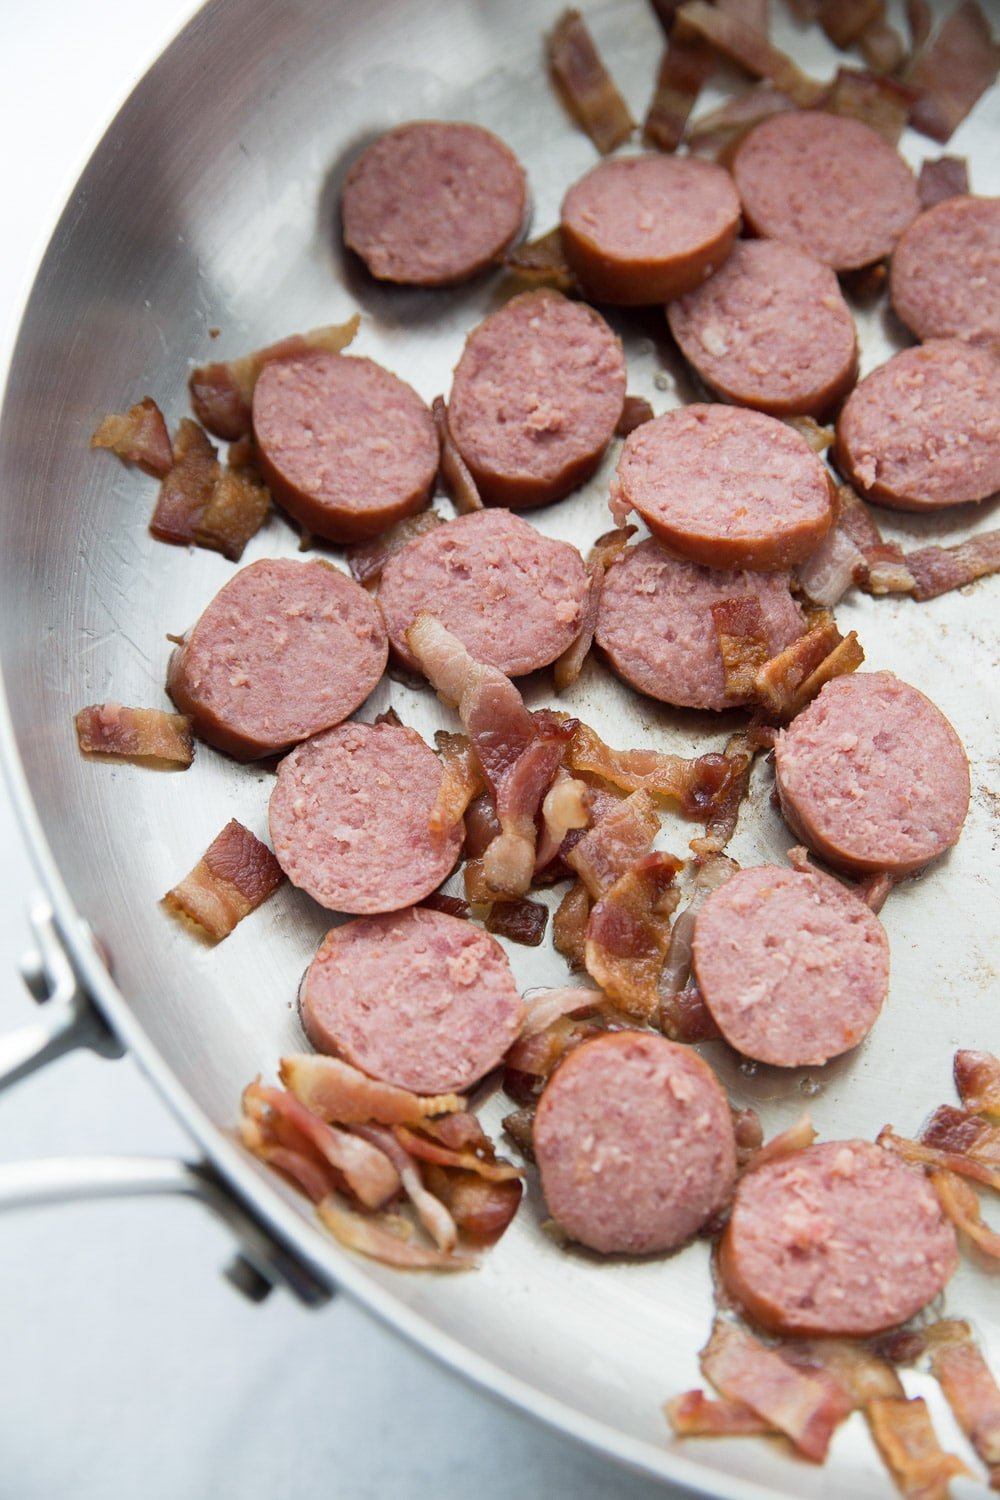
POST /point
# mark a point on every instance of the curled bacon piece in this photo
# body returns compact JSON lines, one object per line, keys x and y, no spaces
{"x":520,"y":921}
{"x":696,"y":783}
{"x":586,"y":85}
{"x":743,"y":43}
{"x":542,"y":263}
{"x":947,"y":177}
{"x":461,"y":781}
{"x":343,"y":1095}
{"x":950,"y":1129}
{"x":234,"y":876}
{"x":431,"y":1212}
{"x":739,"y":757}
{"x":548,"y":1005}
{"x":635,"y":413}
{"x":492,"y":1168}
{"x":381,"y":1238}
{"x":367,"y":559}
{"x":569,"y":925}
{"x":905,"y":1437}
{"x":458,"y":483}
{"x":222,"y":393}
{"x":628,"y":934}
{"x":615,"y":843}
{"x":877,"y":101}
{"x":919,"y":1155}
{"x":684,"y":68}
{"x":140,"y":734}
{"x":961,"y":1204}
{"x":977,"y":1079}
{"x":970,"y":1389}
{"x":693,"y":1414}
{"x":604,"y":551}
{"x":367,"y":1171}
{"x":138,"y":436}
{"x":951,"y":70}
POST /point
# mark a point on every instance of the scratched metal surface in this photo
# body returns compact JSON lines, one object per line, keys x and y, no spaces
{"x":211,"y":202}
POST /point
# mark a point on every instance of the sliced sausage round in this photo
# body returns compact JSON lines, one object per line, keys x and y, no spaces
{"x":923,"y":430}
{"x":830,"y":185}
{"x":655,"y":623}
{"x":841,"y":1239}
{"x":344,"y":445}
{"x":284,"y":650}
{"x":536,"y":398}
{"x":417,"y":998}
{"x":725,"y":487}
{"x":770,"y":330}
{"x":634,"y":1142}
{"x":944,"y":279}
{"x":433,"y":202}
{"x":512,"y":596}
{"x":349,"y":819}
{"x":872,"y":776}
{"x":792,"y":966}
{"x":640,"y":229}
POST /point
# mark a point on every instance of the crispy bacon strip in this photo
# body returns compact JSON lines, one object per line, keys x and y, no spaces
{"x":222,"y":393}
{"x":366,"y":1170}
{"x":950,"y":1129}
{"x":139,"y":734}
{"x":461,"y":781}
{"x":739,"y":755}
{"x":803,"y":1407}
{"x":380,"y":1238}
{"x":742,"y":43}
{"x":628,"y":934}
{"x":917,"y":1154}
{"x":366,"y":560}
{"x":877,"y":101}
{"x":961,"y":1204}
{"x":905,"y":1437}
{"x":482,"y":1210}
{"x":693,"y":1414}
{"x":234,"y":876}
{"x":602,"y":555}
{"x":237,"y":508}
{"x":138,"y":436}
{"x":977,"y":1079}
{"x":937,"y":570}
{"x":343,"y":1095}
{"x":542,"y":262}
{"x":717,"y":131}
{"x":458,"y":483}
{"x":585,"y":84}
{"x":947,"y":177}
{"x":951,"y":70}
{"x":621,"y":838}
{"x":440,"y":1155}
{"x":697,"y":784}
{"x":569,"y":924}
{"x":684,"y":68}
{"x":790,"y":680}
{"x":520,"y":921}
{"x":970,"y":1389}
{"x":636,"y":411}
{"x":743,"y":644}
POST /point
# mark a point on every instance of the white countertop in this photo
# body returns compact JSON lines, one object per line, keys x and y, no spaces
{"x":130,"y":1367}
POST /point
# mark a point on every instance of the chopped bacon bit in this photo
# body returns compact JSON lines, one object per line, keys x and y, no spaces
{"x":917,"y":1154}
{"x":367,"y":1171}
{"x":367,"y":559}
{"x":874,"y":889}
{"x":461,"y":781}
{"x":977,"y":1078}
{"x":697,"y":784}
{"x":742,"y":43}
{"x":937,"y":570}
{"x":602,"y":554}
{"x":947,"y":177}
{"x":796,"y":1138}
{"x":236,"y":510}
{"x":140,"y":734}
{"x":343,"y":1095}
{"x":919,"y":19}
{"x":187,"y":490}
{"x":138,"y":436}
{"x":905,"y":1437}
{"x":950,"y":1129}
{"x":819,"y":438}
{"x":380,"y":1238}
{"x":635,"y":413}
{"x":519,"y":921}
{"x":684,"y":1017}
{"x":715,"y":133}
{"x":797,"y":1403}
{"x":234,"y":876}
{"x":456,"y":479}
{"x":860,"y":1372}
{"x":222,"y":393}
{"x":693,"y":1414}
{"x":790,"y":680}
{"x":520,"y":1126}
{"x":614,"y":844}
{"x":494,"y":1170}
{"x":881,"y":569}
{"x":877,"y":101}
{"x":548,"y":1005}
{"x":951,"y":70}
{"x":629,"y":933}
{"x":712,"y":871}
{"x":961,"y":1204}
{"x":452,"y":906}
{"x":970,"y":1389}
{"x":882,"y":47}
{"x":743,"y":644}
{"x":586,"y":85}
{"x":482,"y":1210}
{"x":569,"y":924}
{"x":845,"y":20}
{"x":542,"y":262}
{"x":685,"y":67}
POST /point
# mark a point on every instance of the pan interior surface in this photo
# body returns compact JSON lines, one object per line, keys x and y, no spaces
{"x":211,"y":205}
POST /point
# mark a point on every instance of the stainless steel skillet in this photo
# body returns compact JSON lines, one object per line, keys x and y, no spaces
{"x":209,"y":204}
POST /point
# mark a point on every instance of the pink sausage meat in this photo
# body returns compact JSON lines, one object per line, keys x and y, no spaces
{"x":655,"y":623}
{"x":512,"y":596}
{"x":634,"y":1142}
{"x":841,"y":1239}
{"x":792,"y":966}
{"x":349,"y":819}
{"x":417,"y":998}
{"x":945,"y":274}
{"x":872,"y":776}
{"x":284,"y":650}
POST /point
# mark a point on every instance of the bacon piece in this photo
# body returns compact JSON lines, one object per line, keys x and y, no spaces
{"x":366,"y":1170}
{"x":743,"y":644}
{"x":380,"y":1238}
{"x":905,"y":1437}
{"x":684,"y":1017}
{"x":548,"y":1005}
{"x":139,"y":734}
{"x":742,"y":43}
{"x":367,"y":559}
{"x":519,"y":921}
{"x":803,"y":1407}
{"x":460,"y":1131}
{"x":138,"y":436}
{"x":951,"y":70}
{"x":585,"y":84}
{"x":494,"y":1170}
{"x":602,"y":554}
{"x":919,"y":1155}
{"x":542,"y":262}
{"x":628,"y":934}
{"x":830,"y":571}
{"x":796,"y":1138}
{"x":937,"y":570}
{"x":845,"y":20}
{"x":696,"y":783}
{"x":569,"y":925}
{"x":790,"y":680}
{"x":977,"y":1079}
{"x":718,"y":131}
{"x":236,"y":509}
{"x":234,"y":876}
{"x":950,"y":1129}
{"x":520,"y":1126}
{"x":919,"y":19}
{"x":693,"y":1414}
{"x":481,"y":825}
{"x":222,"y":393}
{"x":188,"y":488}
{"x":711,"y":871}
{"x":452,"y":906}
{"x":536,"y":1057}
{"x":882,"y":47}
{"x":961,"y":1204}
{"x":635,"y":413}
{"x":614,"y":844}
{"x":947,"y":177}
{"x":684,"y":68}
{"x":739,"y":756}
{"x":343,"y":1095}
{"x":458,"y":483}
{"x":566,"y":807}
{"x":482,"y":1210}
{"x":883,"y":570}
{"x":970,"y":1389}
{"x":877,"y":101}
{"x":874,"y":889}
{"x":431,"y":1212}
{"x":860,"y":1372}
{"x":748,"y":1132}
{"x":461,"y":781}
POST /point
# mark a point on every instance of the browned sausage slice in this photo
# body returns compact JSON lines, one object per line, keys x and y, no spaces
{"x":536,"y":398}
{"x":793,"y":966}
{"x":418,"y":998}
{"x":655,"y":623}
{"x":725,"y":487}
{"x":634,"y":1142}
{"x":770,"y":330}
{"x":945,"y":274}
{"x":349,"y":819}
{"x":828,"y":184}
{"x":345,"y":446}
{"x":872,"y":776}
{"x":923,"y":430}
{"x":512,"y":596}
{"x":639,"y":229}
{"x":433,"y":202}
{"x":284,"y":650}
{"x":839,"y":1239}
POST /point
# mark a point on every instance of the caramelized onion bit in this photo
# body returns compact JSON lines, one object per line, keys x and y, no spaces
{"x":628,"y":934}
{"x":684,"y":68}
{"x":905,"y":1437}
{"x":542,"y":263}
{"x":234,"y":876}
{"x":602,"y":554}
{"x":379,"y":1238}
{"x":693,"y":1414}
{"x":366,"y":560}
{"x":586,"y":85}
{"x":519,"y":921}
{"x":569,"y":925}
{"x":458,"y":483}
{"x":951,"y":70}
{"x":977,"y":1078}
{"x":139,"y":734}
{"x":343,"y":1095}
{"x":948,"y":177}
{"x":138,"y":436}
{"x":744,"y":44}
{"x":970,"y":1389}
